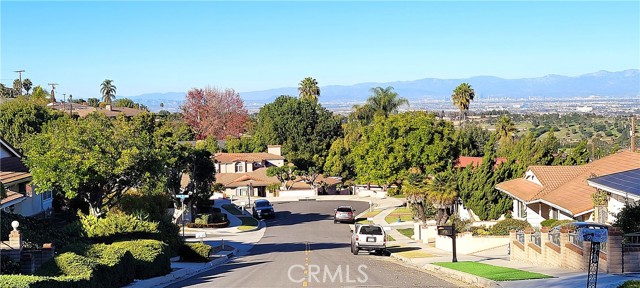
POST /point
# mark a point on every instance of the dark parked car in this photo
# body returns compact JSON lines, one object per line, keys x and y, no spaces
{"x":344,"y":214}
{"x":263,"y":209}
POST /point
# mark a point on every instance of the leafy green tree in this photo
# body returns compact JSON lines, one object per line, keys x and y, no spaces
{"x":383,"y":101}
{"x":125,"y":102}
{"x":628,"y":219}
{"x":339,"y":162}
{"x":477,"y":185}
{"x":243,"y":144}
{"x":20,"y":119}
{"x":27,"y":85}
{"x":17,"y":86}
{"x":5,"y":92}
{"x":40,"y":95}
{"x":94,"y":159}
{"x":390,"y":146}
{"x":286,"y":174}
{"x":579,"y":155}
{"x":305,"y":130}
{"x":108,"y":91}
{"x":93,"y":102}
{"x":471,"y":140}
{"x":462,"y":97}
{"x":309,"y":89}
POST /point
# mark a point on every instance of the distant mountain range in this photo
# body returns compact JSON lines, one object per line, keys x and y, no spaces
{"x":622,"y":84}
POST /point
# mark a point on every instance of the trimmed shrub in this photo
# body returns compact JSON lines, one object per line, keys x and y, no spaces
{"x":195,"y":252}
{"x":560,"y":223}
{"x":203,"y":219}
{"x":9,"y":266}
{"x":114,"y":265}
{"x":117,"y":226}
{"x":548,"y":222}
{"x":503,"y":227}
{"x":151,"y":257}
{"x":36,"y":232}
{"x":170,"y":234}
{"x":30,"y":281}
{"x":70,"y":264}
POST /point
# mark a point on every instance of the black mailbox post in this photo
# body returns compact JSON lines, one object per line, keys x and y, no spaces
{"x":449,"y":231}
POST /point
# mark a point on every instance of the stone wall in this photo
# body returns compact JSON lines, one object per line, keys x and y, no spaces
{"x":569,"y":255}
{"x":466,"y":243}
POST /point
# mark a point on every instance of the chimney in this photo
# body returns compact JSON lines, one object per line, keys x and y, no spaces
{"x":633,"y":133}
{"x":274,"y":149}
{"x":108,"y":107}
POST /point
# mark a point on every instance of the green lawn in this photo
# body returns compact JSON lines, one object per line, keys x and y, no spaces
{"x":390,"y":238}
{"x":406,"y":232}
{"x":630,"y":284}
{"x":248,"y":223}
{"x":491,"y":272}
{"x":405,"y":215}
{"x":232,"y":209}
{"x":401,"y":196}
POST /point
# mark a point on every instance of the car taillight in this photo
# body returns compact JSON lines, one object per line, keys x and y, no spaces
{"x":357,"y":238}
{"x":349,"y":213}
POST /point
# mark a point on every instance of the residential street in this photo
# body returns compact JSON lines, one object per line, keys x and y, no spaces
{"x":302,"y":247}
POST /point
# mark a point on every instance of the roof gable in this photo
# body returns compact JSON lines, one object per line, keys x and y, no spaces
{"x":6,"y":150}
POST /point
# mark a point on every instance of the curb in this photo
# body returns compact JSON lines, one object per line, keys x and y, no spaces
{"x":474,"y":280}
{"x":261,"y":224}
{"x":181,"y":274}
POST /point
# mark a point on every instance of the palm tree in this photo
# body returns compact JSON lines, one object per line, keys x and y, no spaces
{"x":505,"y":128}
{"x":462,"y":97}
{"x":385,"y":101}
{"x":108,"y":91}
{"x":309,"y":89}
{"x":27,"y":84}
{"x":442,"y":192}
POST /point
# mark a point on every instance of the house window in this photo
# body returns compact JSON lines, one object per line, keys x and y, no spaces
{"x":240,"y":191}
{"x":522,"y":210}
{"x":22,"y":188}
{"x":554,"y":213}
{"x":239,"y":167}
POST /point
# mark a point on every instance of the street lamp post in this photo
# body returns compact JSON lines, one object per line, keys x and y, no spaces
{"x":249,"y":193}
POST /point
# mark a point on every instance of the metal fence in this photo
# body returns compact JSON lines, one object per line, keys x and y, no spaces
{"x":554,"y":237}
{"x":520,"y":236}
{"x":575,"y":240}
{"x":535,"y":238}
{"x":632,"y":239}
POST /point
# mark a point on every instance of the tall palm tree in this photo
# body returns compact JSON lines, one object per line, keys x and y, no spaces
{"x":108,"y":91}
{"x":385,"y":101}
{"x":505,"y":128}
{"x":462,"y":97}
{"x":309,"y":89}
{"x":27,"y":84}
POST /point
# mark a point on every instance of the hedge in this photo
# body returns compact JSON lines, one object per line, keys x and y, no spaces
{"x":30,"y":281}
{"x":116,"y":226}
{"x":78,"y":269}
{"x":9,"y":266}
{"x":195,"y":252}
{"x":151,"y":257}
{"x":114,"y":265}
{"x":503,"y":227}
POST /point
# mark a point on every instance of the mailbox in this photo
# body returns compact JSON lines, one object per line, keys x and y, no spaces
{"x":593,"y":235}
{"x":445,"y":230}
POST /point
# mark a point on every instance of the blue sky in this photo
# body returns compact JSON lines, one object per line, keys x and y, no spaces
{"x":165,"y":46}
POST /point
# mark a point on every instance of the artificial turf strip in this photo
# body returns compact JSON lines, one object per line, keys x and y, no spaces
{"x":491,"y":272}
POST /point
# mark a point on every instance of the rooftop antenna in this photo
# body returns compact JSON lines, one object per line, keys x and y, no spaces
{"x":53,"y":92}
{"x":20,"y":73}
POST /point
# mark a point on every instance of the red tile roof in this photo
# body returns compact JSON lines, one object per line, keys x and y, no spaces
{"x":464,"y":161}
{"x":257,"y":178}
{"x":246,"y":157}
{"x":566,"y":186}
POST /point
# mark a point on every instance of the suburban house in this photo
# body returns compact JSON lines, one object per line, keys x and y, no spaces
{"x":240,"y":173}
{"x":621,"y":188}
{"x":563,"y":192}
{"x":21,"y":197}
{"x":83,"y":110}
{"x":244,"y":173}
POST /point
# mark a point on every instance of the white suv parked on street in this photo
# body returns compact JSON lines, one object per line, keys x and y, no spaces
{"x":370,"y":237}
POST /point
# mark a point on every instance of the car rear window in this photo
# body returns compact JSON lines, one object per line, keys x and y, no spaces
{"x":262,"y":204}
{"x":371,"y":230}
{"x":344,"y":209}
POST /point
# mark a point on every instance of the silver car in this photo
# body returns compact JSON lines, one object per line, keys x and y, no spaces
{"x":344,"y":214}
{"x":369,"y":237}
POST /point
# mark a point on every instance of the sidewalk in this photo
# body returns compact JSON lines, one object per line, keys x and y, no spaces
{"x":497,"y":257}
{"x":241,"y":241}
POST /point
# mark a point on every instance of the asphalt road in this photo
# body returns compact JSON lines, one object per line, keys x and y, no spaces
{"x":302,"y":247}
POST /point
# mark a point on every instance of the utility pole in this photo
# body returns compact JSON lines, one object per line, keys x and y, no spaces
{"x":71,"y":105}
{"x":53,"y":92}
{"x":633,"y":133}
{"x":20,"y":77}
